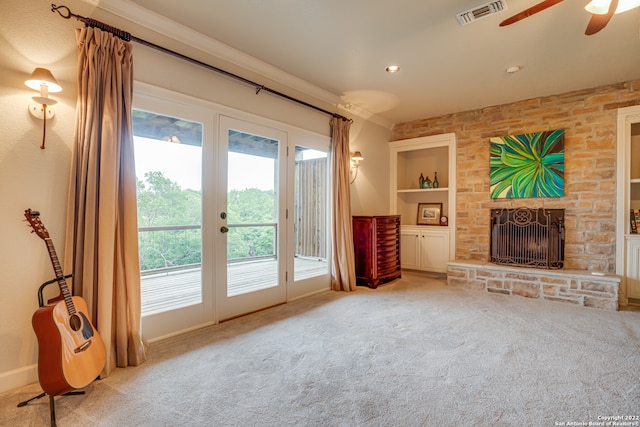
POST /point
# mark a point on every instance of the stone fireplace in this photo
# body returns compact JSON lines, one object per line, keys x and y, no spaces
{"x":527,"y":259}
{"x":527,"y":237}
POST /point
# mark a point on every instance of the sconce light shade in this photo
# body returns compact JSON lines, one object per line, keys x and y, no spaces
{"x":42,"y":76}
{"x":355,"y":162}
{"x":42,"y":80}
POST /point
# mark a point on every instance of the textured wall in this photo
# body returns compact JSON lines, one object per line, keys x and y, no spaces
{"x":589,"y":118}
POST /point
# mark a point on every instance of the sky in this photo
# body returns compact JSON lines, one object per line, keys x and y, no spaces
{"x":182,"y":163}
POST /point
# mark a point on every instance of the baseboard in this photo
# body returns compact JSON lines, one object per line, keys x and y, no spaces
{"x":425,"y":273}
{"x":180,"y":332}
{"x":308,"y":294}
{"x":18,"y":377}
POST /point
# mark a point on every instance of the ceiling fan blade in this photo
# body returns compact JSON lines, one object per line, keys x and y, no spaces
{"x":528,"y":12}
{"x":598,"y":22}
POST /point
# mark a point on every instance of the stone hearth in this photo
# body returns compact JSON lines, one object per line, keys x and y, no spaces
{"x":568,"y":286}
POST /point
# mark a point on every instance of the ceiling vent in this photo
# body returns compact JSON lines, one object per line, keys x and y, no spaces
{"x":482,"y":11}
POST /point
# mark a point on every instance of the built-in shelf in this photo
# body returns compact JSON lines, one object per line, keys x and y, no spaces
{"x":423,"y":247}
{"x":635,"y":181}
{"x":426,"y":190}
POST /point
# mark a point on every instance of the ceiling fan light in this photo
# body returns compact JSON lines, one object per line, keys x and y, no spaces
{"x":624,"y":5}
{"x":598,"y":7}
{"x":601,"y":7}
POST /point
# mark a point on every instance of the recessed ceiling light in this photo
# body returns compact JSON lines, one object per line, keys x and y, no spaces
{"x":393,"y":69}
{"x":513,"y":69}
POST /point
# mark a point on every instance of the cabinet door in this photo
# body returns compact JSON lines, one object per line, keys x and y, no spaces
{"x":410,"y":249}
{"x":434,"y":250}
{"x":633,"y":268}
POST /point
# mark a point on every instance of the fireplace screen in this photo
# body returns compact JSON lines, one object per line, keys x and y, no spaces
{"x":528,"y":237}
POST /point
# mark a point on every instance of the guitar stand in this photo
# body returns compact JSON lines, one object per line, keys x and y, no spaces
{"x":52,"y":404}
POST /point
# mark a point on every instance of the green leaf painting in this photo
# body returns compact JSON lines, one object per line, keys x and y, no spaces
{"x":529,"y":165}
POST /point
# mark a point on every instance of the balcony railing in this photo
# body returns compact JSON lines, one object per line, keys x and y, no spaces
{"x":168,"y":248}
{"x":261,"y":242}
{"x":177,"y":247}
{"x":170,"y":261}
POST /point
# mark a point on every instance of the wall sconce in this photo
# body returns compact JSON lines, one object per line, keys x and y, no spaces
{"x":356,"y":158}
{"x":42,"y":80}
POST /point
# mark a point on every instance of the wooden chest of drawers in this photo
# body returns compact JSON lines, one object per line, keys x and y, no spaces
{"x":376,"y":242}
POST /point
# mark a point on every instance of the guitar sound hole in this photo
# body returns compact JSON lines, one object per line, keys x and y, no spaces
{"x":75,"y":323}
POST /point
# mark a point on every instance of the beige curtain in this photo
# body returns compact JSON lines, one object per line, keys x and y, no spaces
{"x":343,"y":267}
{"x":101,"y":246}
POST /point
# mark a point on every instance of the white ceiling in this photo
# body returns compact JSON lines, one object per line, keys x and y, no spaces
{"x":343,"y":47}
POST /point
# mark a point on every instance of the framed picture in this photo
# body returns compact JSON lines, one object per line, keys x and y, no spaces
{"x":429,"y":213}
{"x":528,"y":165}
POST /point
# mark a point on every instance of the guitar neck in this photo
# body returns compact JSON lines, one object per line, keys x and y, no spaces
{"x":62,"y":283}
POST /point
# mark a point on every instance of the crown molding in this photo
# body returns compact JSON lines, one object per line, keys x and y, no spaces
{"x":163,"y":25}
{"x":160,"y":24}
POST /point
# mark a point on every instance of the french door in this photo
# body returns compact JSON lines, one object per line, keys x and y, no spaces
{"x":232,"y":213}
{"x":251,"y":273}
{"x":273,"y":219}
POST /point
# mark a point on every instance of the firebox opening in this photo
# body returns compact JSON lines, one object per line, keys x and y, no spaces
{"x":528,"y":237}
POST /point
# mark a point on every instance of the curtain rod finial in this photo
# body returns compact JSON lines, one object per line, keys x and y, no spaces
{"x":67,"y":13}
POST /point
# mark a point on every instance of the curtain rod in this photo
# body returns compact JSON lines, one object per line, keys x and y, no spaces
{"x":67,"y":14}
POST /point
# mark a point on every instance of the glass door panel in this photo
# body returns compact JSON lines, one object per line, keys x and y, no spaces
{"x":252,"y":210}
{"x":168,"y":144}
{"x":169,"y":176}
{"x":311,"y":209}
{"x":251,"y":213}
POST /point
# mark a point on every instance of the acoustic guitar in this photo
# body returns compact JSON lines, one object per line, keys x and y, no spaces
{"x":71,"y":353}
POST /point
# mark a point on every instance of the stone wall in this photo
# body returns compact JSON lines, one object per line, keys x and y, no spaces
{"x":589,"y":118}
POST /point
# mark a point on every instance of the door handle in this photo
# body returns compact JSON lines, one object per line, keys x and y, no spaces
{"x":224,"y":229}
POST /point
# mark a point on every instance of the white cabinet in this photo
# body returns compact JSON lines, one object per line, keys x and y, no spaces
{"x":628,"y":199}
{"x":633,"y":266}
{"x":409,"y":248}
{"x":434,"y":247}
{"x":425,"y":248}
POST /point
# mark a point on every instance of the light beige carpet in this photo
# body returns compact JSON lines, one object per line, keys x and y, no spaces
{"x":411,"y":353}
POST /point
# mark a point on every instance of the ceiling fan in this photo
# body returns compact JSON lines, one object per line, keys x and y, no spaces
{"x":601,"y":12}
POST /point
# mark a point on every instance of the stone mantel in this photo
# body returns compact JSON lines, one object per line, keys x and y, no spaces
{"x":568,"y":286}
